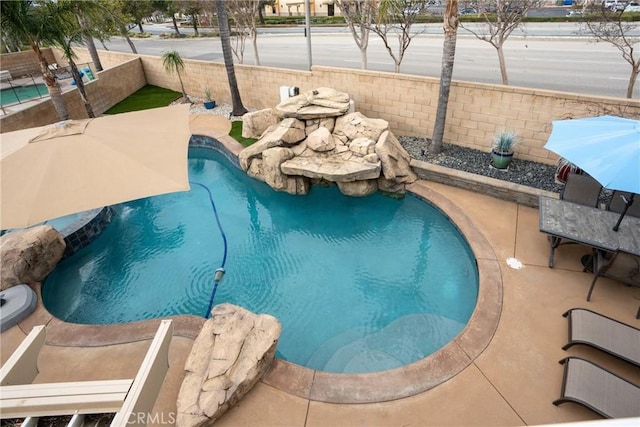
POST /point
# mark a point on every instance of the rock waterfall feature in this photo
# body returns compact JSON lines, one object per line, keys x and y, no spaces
{"x":313,"y":138}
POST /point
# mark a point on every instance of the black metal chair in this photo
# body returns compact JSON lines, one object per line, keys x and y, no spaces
{"x":620,"y":266}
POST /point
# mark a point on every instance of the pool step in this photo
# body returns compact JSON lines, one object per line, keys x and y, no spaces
{"x":405,"y":340}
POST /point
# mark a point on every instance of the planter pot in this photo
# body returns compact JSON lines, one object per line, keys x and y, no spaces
{"x":501,"y":160}
{"x":209,"y":105}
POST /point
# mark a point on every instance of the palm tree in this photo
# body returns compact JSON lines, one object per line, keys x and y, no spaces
{"x":448,"y":56}
{"x":223,"y":24}
{"x":172,"y":62}
{"x":67,"y":50}
{"x":39,"y":22}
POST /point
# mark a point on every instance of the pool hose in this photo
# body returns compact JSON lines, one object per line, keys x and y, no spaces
{"x":219,"y":274}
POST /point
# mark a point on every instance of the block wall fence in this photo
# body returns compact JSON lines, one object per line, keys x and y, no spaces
{"x":119,"y":79}
{"x":476,"y":111}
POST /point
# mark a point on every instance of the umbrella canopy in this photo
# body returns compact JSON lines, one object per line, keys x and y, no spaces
{"x":74,"y":166}
{"x":606,"y":147}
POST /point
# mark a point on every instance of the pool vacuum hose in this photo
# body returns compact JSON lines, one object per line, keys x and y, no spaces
{"x":219,"y":274}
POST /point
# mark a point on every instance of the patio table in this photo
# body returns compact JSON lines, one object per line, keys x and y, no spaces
{"x":588,"y":226}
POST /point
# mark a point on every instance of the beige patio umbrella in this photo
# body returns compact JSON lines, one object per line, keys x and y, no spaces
{"x":77,"y":165}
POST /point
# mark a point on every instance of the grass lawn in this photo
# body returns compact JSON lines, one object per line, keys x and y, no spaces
{"x":236,"y":133}
{"x":145,"y":98}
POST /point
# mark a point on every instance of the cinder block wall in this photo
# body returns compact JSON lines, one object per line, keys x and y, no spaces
{"x":111,"y":86}
{"x":475,"y":112}
{"x":21,"y":64}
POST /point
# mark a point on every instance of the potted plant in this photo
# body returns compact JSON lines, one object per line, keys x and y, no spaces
{"x":502,"y":149}
{"x":209,"y":103}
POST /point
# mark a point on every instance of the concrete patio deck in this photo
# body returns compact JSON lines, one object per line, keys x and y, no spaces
{"x":513,"y":382}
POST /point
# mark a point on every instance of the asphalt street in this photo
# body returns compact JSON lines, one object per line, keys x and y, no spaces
{"x":541,"y":56}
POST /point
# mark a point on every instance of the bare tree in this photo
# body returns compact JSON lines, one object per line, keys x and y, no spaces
{"x":395,"y":18}
{"x":604,"y":25}
{"x":245,"y":14}
{"x":358,"y":14}
{"x":448,"y":55}
{"x":501,"y":17}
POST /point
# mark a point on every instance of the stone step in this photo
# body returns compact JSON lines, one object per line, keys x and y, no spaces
{"x":332,"y":168}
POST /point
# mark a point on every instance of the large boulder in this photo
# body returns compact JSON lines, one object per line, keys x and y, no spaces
{"x":321,"y":140}
{"x":286,"y":133}
{"x":29,"y":255}
{"x":358,"y":188}
{"x":395,"y":159}
{"x":332,"y":168}
{"x":356,"y":125}
{"x":234,"y":349}
{"x":255,"y":123}
{"x":315,"y":104}
{"x":272,"y":159}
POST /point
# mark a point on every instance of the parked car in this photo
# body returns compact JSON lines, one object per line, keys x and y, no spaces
{"x":468,"y":11}
{"x":616,"y":5}
{"x":632,"y":7}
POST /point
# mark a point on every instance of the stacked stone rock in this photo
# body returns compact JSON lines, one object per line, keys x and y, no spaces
{"x":312,"y":138}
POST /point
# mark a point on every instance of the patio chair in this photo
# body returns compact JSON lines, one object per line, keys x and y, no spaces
{"x":598,"y":389}
{"x":618,"y":203}
{"x":21,"y":399}
{"x":581,"y":189}
{"x":604,"y":333}
{"x":620,"y":266}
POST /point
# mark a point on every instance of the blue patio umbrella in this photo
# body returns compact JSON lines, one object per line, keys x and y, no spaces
{"x":606,"y":147}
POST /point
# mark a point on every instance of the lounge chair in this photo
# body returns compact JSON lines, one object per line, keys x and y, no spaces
{"x":617,"y":203}
{"x":598,"y":389}
{"x":581,"y":189}
{"x":21,"y":399}
{"x":620,"y":266}
{"x":604,"y":333}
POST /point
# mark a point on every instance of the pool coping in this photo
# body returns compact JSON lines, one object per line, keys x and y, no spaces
{"x":310,"y":384}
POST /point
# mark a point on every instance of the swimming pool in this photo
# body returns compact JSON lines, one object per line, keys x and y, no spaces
{"x":360,"y":285}
{"x":18,"y":94}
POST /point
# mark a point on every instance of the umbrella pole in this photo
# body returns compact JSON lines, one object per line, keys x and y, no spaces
{"x":627,"y":203}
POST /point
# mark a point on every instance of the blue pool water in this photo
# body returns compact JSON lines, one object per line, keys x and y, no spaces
{"x":359,"y":284}
{"x":22,"y":93}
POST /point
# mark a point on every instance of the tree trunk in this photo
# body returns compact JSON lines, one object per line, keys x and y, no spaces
{"x":140,"y":27}
{"x":52,"y":85}
{"x":93,"y":52}
{"x":91,"y":46}
{"x":175,"y":24}
{"x":503,"y":66}
{"x":184,"y":92}
{"x":632,"y":82}
{"x":125,"y":34}
{"x":81,"y":89}
{"x":194,"y":20}
{"x":254,"y":43}
{"x":363,"y":57}
{"x":223,"y":25}
{"x":448,"y":56}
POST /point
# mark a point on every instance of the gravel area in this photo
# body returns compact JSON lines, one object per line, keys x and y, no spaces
{"x":524,"y":172}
